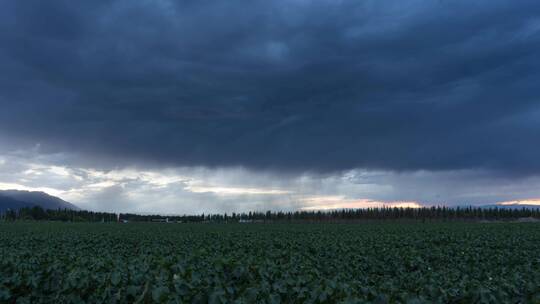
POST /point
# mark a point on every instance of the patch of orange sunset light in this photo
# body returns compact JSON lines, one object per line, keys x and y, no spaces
{"x":340,"y":202}
{"x":531,"y":201}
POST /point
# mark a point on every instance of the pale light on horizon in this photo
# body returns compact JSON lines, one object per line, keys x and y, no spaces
{"x":532,"y":201}
{"x":13,"y":186}
{"x":340,"y":202}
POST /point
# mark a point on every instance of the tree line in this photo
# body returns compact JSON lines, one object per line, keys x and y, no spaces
{"x":385,"y":213}
{"x":65,"y":215}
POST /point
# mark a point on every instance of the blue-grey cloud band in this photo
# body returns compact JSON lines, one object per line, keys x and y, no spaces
{"x":291,"y":86}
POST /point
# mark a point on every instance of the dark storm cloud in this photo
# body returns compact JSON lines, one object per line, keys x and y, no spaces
{"x":288,"y":85}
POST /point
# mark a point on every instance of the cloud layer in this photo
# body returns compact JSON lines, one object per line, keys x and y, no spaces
{"x":189,"y":190}
{"x":295,"y":86}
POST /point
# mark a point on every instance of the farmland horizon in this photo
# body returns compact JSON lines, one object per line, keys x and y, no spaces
{"x":42,"y":199}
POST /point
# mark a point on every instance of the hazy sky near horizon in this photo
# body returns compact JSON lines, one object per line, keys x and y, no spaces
{"x":195,"y":106}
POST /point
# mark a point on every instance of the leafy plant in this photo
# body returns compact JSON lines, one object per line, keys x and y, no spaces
{"x":276,"y":263}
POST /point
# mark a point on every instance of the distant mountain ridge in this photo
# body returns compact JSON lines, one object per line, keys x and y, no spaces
{"x":17,"y":199}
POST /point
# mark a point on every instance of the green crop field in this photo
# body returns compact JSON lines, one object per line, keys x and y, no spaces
{"x":270,"y":263}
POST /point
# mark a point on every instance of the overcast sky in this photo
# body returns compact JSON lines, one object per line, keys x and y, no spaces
{"x":213,"y":106}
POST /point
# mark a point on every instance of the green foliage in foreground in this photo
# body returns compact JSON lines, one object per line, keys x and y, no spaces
{"x":280,"y":263}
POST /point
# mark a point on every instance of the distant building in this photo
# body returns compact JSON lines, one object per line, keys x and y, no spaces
{"x":165,"y":220}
